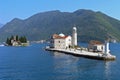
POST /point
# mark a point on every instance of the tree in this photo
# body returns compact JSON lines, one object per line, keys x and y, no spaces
{"x":17,"y":38}
{"x":21,"y":39}
{"x":25,"y":39}
{"x":12,"y":37}
{"x":8,"y":41}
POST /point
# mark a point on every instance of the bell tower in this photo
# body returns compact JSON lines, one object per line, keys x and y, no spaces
{"x":74,"y":36}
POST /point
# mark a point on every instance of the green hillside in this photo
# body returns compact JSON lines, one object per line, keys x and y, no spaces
{"x":91,"y":25}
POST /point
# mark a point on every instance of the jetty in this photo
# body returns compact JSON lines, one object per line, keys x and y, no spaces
{"x":84,"y":53}
{"x":68,"y":44}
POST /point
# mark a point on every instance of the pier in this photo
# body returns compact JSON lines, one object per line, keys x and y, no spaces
{"x":84,"y":53}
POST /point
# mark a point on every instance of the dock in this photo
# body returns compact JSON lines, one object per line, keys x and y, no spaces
{"x":84,"y":53}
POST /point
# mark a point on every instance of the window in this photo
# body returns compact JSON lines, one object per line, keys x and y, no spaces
{"x":58,"y":41}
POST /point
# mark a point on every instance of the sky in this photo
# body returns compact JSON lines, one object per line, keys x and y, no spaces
{"x":10,"y":9}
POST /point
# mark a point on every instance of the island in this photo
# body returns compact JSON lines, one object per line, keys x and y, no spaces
{"x":68,"y":44}
{"x":17,"y":41}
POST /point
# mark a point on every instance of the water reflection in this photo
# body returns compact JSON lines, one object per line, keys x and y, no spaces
{"x":107,"y":70}
{"x":65,"y":66}
{"x":71,"y":67}
{"x":65,"y":61}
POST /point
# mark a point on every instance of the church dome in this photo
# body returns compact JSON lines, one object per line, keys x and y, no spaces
{"x":62,"y":35}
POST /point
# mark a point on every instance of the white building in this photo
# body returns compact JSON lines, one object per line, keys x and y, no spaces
{"x":61,"y":41}
{"x":96,"y":46}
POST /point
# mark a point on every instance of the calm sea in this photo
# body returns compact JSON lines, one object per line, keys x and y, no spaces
{"x":34,"y":63}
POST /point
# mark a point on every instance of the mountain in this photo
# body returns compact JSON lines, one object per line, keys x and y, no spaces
{"x":1,"y":25}
{"x":91,"y":25}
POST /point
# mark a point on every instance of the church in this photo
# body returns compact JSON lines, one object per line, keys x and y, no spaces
{"x":61,"y":41}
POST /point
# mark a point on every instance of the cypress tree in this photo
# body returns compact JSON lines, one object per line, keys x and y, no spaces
{"x":8,"y":41}
{"x":25,"y":39}
{"x":12,"y":37}
{"x":17,"y":38}
{"x":20,"y":39}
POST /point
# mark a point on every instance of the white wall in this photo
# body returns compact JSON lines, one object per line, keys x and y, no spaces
{"x":68,"y":41}
{"x":98,"y":47}
{"x":59,"y":43}
{"x":62,"y":43}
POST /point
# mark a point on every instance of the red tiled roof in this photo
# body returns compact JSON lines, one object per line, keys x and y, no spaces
{"x":55,"y":36}
{"x":94,"y":42}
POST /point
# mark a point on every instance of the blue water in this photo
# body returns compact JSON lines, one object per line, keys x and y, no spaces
{"x":34,"y":63}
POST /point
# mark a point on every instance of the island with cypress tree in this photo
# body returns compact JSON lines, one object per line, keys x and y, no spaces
{"x":17,"y":41}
